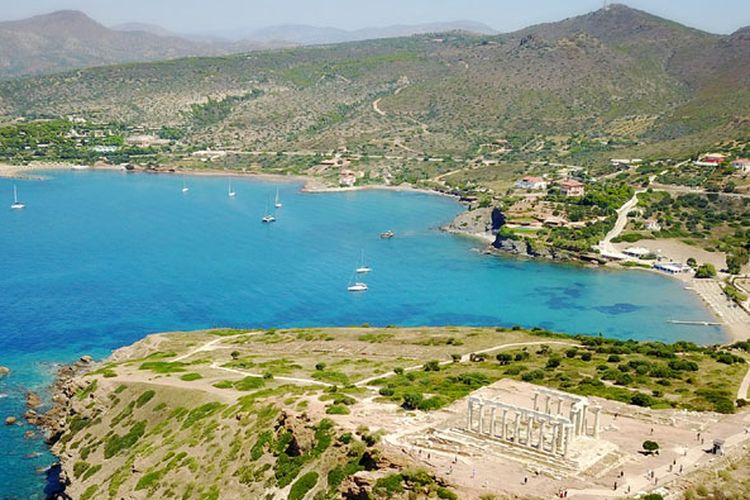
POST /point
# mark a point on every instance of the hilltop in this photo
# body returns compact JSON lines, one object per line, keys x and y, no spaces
{"x":614,"y":79}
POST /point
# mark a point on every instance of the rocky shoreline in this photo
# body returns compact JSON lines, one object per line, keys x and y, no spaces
{"x":55,"y":423}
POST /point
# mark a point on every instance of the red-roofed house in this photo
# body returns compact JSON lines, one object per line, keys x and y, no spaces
{"x":533,"y":183}
{"x":742,"y":164}
{"x":573,"y":188}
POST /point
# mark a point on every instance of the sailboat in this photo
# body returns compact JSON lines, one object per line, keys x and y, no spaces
{"x":185,"y":189}
{"x":363,"y":269}
{"x":277,"y":203}
{"x":231,"y":193}
{"x":16,"y":204}
{"x":268,"y":218}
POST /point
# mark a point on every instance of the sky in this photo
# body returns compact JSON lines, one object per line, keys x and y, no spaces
{"x":205,"y":16}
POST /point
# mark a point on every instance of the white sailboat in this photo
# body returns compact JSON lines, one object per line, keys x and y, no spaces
{"x":363,"y":269}
{"x":277,"y":202}
{"x":16,"y":204}
{"x":357,"y":287}
{"x":185,"y":189}
{"x":268,"y":218}
{"x":231,"y":193}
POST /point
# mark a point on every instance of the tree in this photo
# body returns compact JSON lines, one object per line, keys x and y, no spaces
{"x":431,"y":366}
{"x":735,"y":260}
{"x":650,"y":446}
{"x":411,"y":400}
{"x":706,"y":271}
{"x":692,"y":262}
{"x":320,"y":367}
{"x":504,"y":358}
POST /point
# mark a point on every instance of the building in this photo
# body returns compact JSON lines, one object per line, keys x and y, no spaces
{"x":711,"y":160}
{"x":652,"y":225}
{"x":347,"y":178}
{"x":742,"y":164}
{"x":637,"y":252}
{"x":673,"y":267}
{"x":572,"y":187}
{"x":532,"y":183}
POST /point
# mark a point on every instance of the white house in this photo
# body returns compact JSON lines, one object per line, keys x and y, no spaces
{"x":742,"y":164}
{"x":532,"y":183}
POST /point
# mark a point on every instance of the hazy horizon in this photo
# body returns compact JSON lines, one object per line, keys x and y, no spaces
{"x":223,"y":16}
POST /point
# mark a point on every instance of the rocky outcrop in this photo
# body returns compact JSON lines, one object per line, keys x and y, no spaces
{"x":33,"y":401}
{"x":481,"y":222}
{"x":11,"y":420}
{"x":524,"y":247}
{"x":4,"y":371}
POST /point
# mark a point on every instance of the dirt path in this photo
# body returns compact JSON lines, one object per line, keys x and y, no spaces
{"x":466,"y":357}
{"x":303,"y":381}
{"x":605,"y":246}
{"x":745,"y":385}
{"x":376,"y":106}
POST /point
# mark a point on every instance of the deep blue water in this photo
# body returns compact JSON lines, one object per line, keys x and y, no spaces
{"x":99,"y":259}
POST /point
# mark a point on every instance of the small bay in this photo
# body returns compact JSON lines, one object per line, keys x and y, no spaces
{"x":97,"y":260}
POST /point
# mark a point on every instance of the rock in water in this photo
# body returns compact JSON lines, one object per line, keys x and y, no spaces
{"x":86,"y":359}
{"x":33,"y":400}
{"x":4,"y":371}
{"x":10,"y":420}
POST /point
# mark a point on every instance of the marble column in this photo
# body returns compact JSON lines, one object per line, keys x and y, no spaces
{"x":469,"y":415}
{"x":503,"y":433}
{"x":553,"y":444}
{"x":541,"y":435}
{"x":529,"y":422}
{"x":481,"y":418}
{"x":566,"y":440}
{"x":492,"y":422}
{"x":536,"y":401}
{"x":597,"y":411}
{"x":546,"y":404}
{"x":517,"y":428}
{"x":559,"y":406}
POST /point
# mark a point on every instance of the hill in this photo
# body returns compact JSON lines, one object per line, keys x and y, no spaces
{"x":590,"y":87}
{"x":70,"y":39}
{"x":313,"y":35}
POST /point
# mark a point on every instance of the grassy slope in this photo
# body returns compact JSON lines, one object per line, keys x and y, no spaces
{"x":149,"y":423}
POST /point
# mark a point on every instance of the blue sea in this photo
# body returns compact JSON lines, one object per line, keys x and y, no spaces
{"x":97,"y":260}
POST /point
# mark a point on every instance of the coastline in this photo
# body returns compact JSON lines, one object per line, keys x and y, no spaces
{"x":734,"y":330}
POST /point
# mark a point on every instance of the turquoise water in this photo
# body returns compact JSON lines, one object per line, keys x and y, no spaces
{"x":99,"y":259}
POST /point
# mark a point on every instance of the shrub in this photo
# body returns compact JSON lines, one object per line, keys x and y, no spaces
{"x":504,"y":358}
{"x":337,"y":409}
{"x":650,"y":446}
{"x":431,"y":366}
{"x":189,"y":377}
{"x":144,"y":398}
{"x":533,"y":375}
{"x":433,"y":403}
{"x":586,"y":356}
{"x":117,"y":443}
{"x":411,"y":400}
{"x":553,"y":362}
{"x":571,"y":353}
{"x":705,"y":271}
{"x":320,"y":367}
{"x":641,"y":399}
{"x":303,"y":485}
{"x":386,"y":391}
{"x":398,"y":371}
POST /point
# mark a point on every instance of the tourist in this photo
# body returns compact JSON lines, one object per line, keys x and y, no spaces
{"x":525,"y":479}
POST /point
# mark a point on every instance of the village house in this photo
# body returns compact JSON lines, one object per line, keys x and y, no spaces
{"x":347,"y":178}
{"x":710,"y":160}
{"x":532,"y":183}
{"x":742,"y":164}
{"x":637,"y":252}
{"x":652,"y":225}
{"x":572,"y":188}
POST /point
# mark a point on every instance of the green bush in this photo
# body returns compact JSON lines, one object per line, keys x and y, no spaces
{"x":117,"y":443}
{"x":303,"y":485}
{"x":411,"y":400}
{"x":189,"y":377}
{"x":144,"y":398}
{"x":337,"y":409}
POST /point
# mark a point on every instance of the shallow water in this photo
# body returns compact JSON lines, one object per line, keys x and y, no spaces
{"x":97,"y":260}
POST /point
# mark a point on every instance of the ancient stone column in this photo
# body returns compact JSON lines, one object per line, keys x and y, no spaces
{"x":469,"y":415}
{"x":529,"y":422}
{"x":541,"y":435}
{"x":555,"y":432}
{"x":566,"y":441}
{"x":492,"y":422}
{"x":517,"y":428}
{"x":559,"y":406}
{"x":481,"y":418}
{"x":597,"y":411}
{"x":546,"y":404}
{"x":536,"y":401}
{"x":503,"y":428}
